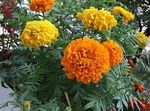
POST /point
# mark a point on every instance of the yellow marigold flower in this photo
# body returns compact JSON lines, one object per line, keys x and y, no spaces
{"x":115,"y":52}
{"x":141,"y":39}
{"x":127,"y":16}
{"x":118,"y":10}
{"x":97,"y":19}
{"x":41,"y":5}
{"x":85,"y":59}
{"x":39,"y":33}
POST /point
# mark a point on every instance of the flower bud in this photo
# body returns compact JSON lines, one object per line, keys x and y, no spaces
{"x":26,"y":106}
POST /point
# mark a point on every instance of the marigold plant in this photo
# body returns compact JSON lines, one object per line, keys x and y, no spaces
{"x":115,"y":52}
{"x":97,"y":19}
{"x":39,"y":33}
{"x":41,"y":5}
{"x":92,"y":66}
{"x":85,"y":59}
{"x":127,"y":16}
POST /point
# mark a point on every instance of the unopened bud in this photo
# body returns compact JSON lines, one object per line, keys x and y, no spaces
{"x":26,"y":106}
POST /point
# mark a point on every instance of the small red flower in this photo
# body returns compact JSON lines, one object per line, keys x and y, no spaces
{"x":131,"y":63}
{"x":139,"y":87}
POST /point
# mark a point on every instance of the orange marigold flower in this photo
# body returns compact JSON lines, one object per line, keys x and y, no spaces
{"x":139,"y":87}
{"x":85,"y":59}
{"x":115,"y":52}
{"x":41,"y":5}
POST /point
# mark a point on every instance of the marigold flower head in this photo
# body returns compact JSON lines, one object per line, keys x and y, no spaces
{"x":97,"y":19}
{"x":139,"y":87}
{"x":118,"y":10}
{"x":127,"y":16}
{"x":39,"y":33}
{"x":142,"y":39}
{"x":85,"y":59}
{"x":115,"y":52}
{"x":41,"y":5}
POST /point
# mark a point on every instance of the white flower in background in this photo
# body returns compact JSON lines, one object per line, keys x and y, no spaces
{"x":146,"y":50}
{"x":148,"y":42}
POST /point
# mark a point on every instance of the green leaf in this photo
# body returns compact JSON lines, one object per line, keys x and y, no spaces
{"x":89,"y":105}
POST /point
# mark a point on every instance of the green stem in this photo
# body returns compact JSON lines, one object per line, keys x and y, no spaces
{"x":67,"y":98}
